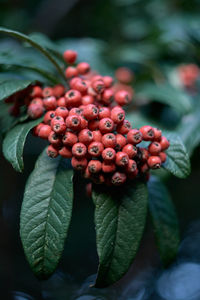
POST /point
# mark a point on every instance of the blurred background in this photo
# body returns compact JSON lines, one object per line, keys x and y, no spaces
{"x":152,"y":38}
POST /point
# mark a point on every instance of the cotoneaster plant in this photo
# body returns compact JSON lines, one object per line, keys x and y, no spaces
{"x":82,"y":118}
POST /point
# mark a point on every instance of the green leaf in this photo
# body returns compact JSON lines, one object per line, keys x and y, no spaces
{"x":9,"y":87}
{"x":178,"y":161}
{"x":13,"y":144}
{"x":164,"y":220}
{"x":120,"y":216}
{"x":166,"y":94}
{"x":46,"y":214}
{"x":34,"y":44}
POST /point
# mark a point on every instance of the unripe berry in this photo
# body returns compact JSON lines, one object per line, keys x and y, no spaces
{"x":65,"y":152}
{"x":122,"y":159}
{"x":95,"y":149}
{"x":134,"y":136}
{"x":120,"y":141}
{"x":108,"y":167}
{"x":52,"y":152}
{"x":85,"y":136}
{"x":98,"y":86}
{"x":73,"y":98}
{"x":107,"y":96}
{"x":90,"y":112}
{"x":163,"y":156}
{"x":124,"y":127}
{"x":79,"y":164}
{"x":44,"y":131}
{"x":36,"y":92}
{"x":94,"y":166}
{"x":154,"y":148}
{"x":157,"y":134}
{"x":61,"y":102}
{"x":108,"y":154}
{"x":83,"y":68}
{"x":73,"y":122}
{"x":122,"y":97}
{"x":71,"y":72}
{"x":54,"y":139}
{"x":164,"y":143}
{"x":130,"y":149}
{"x":58,"y":90}
{"x":50,"y":103}
{"x":117,"y":115}
{"x":154,"y":162}
{"x":79,"y":150}
{"x":69,"y":139}
{"x":47,"y":92}
{"x":97,"y":136}
{"x":35,"y":111}
{"x":70,"y":56}
{"x":109,"y":140}
{"x":106,"y":125}
{"x":118,"y":178}
{"x":147,"y":133}
{"x":49,"y":116}
{"x":87,"y":99}
{"x":108,"y":81}
{"x":61,"y":112}
{"x":104,"y":112}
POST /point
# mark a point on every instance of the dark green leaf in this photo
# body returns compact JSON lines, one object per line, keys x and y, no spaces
{"x":9,"y":87}
{"x":13,"y":144}
{"x":164,"y":220}
{"x":178,"y":161}
{"x":120,"y":217}
{"x":46,"y":214}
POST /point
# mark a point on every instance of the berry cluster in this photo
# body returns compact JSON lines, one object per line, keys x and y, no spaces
{"x":86,"y":123}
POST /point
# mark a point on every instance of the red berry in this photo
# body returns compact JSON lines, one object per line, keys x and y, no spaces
{"x":120,"y":141}
{"x":97,"y":136}
{"x":37,"y":101}
{"x":50,"y":103}
{"x":98,"y":86}
{"x":69,"y":139}
{"x":52,"y":152}
{"x":108,"y":154}
{"x":81,"y":86}
{"x":71,"y":72}
{"x":93,"y":125}
{"x":54,"y":139}
{"x":124,"y":75}
{"x":95,"y":149}
{"x":83,"y":68}
{"x":122,"y":97}
{"x":70,"y":56}
{"x":79,"y":150}
{"x":79,"y":164}
{"x":107,"y":96}
{"x":108,"y":81}
{"x":65,"y":152}
{"x":104,"y":112}
{"x":85,"y":136}
{"x":144,"y":168}
{"x":94,"y":166}
{"x":73,"y":81}
{"x":47,"y":92}
{"x":154,"y":148}
{"x":35,"y":111}
{"x":61,"y":102}
{"x":157,"y":134}
{"x":90,"y":112}
{"x":134,"y":136}
{"x":58,"y":90}
{"x":36,"y":92}
{"x":164,"y":143}
{"x":87,"y":99}
{"x":58,"y":124}
{"x":106,"y":125}
{"x":117,"y":115}
{"x":122,"y":159}
{"x":144,"y":154}
{"x":73,"y":98}
{"x":49,"y":116}
{"x":147,"y":133}
{"x":44,"y":131}
{"x":132,"y":166}
{"x":118,"y":178}
{"x":84,"y":123}
{"x":108,"y":167}
{"x":75,"y":111}
{"x":89,"y":190}
{"x":109,"y":140}
{"x":124,"y":127}
{"x":130,"y":149}
{"x":73,"y":122}
{"x":36,"y":129}
{"x":61,"y":112}
{"x":163,"y":156}
{"x":154,"y":162}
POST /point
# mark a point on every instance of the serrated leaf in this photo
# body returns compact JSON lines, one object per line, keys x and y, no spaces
{"x":13,"y":144}
{"x":164,"y":220}
{"x":9,"y":87}
{"x":178,"y":161}
{"x":166,"y":94}
{"x":46,"y":214}
{"x":120,"y":216}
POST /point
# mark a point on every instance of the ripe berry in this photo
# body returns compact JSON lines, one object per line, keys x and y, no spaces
{"x":58,"y":90}
{"x":61,"y":102}
{"x":73,"y":81}
{"x":122,"y":97}
{"x":94,"y":166}
{"x":93,"y":125}
{"x":124,"y":75}
{"x":154,"y":162}
{"x":89,"y":190}
{"x":131,"y":166}
{"x":164,"y":143}
{"x":97,"y":136}
{"x":75,"y":111}
{"x":69,"y":139}
{"x":130,"y":149}
{"x":154,"y":148}
{"x":65,"y":152}
{"x":35,"y":111}
{"x":95,"y":149}
{"x":157,"y":134}
{"x":87,"y":99}
{"x":118,"y":178}
{"x":58,"y":124}
{"x":70,"y":56}
{"x":73,"y":122}
{"x":73,"y":98}
{"x":84,"y":123}
{"x":163,"y":156}
{"x":108,"y":167}
{"x":71,"y":72}
{"x":49,"y":116}
{"x":61,"y":111}
{"x":81,"y":86}
{"x":107,"y":96}
{"x":85,"y":136}
{"x":44,"y":131}
{"x":134,"y":136}
{"x":122,"y":159}
{"x":52,"y":152}
{"x":120,"y":141}
{"x":36,"y":129}
{"x":147,"y":133}
{"x":108,"y":154}
{"x":90,"y":112}
{"x":117,"y":115}
{"x":37,"y":101}
{"x":83,"y":68}
{"x":79,"y":150}
{"x":98,"y":86}
{"x":144,"y":168}
{"x":79,"y":164}
{"x":108,"y":81}
{"x":50,"y":103}
{"x":109,"y":140}
{"x":106,"y":125}
{"x":144,"y":154}
{"x":124,"y":127}
{"x":104,"y":112}
{"x":54,"y":139}
{"x":47,"y":92}
{"x":36,"y":92}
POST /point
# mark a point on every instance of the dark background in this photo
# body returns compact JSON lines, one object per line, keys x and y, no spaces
{"x":162,"y":32}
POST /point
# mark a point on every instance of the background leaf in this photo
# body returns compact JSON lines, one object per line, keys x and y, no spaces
{"x":46,"y":214}
{"x":120,"y":217}
{"x":164,"y":220}
{"x":9,"y":87}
